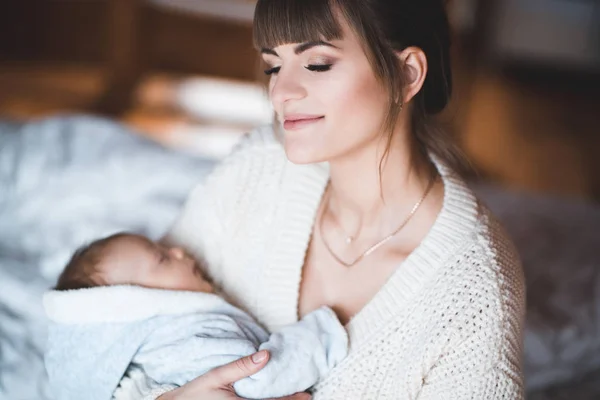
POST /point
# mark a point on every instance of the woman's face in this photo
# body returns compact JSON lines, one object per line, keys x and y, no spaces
{"x":327,"y":98}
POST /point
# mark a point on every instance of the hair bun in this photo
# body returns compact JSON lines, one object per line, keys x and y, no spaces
{"x":437,"y":88}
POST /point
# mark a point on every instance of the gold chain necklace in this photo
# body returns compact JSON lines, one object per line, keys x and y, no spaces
{"x":381,"y":242}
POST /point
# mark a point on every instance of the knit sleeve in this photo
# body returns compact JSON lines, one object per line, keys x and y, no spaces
{"x":485,"y":363}
{"x":473,"y":371}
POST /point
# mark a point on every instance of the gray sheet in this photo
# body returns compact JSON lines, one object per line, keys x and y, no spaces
{"x":559,"y":242}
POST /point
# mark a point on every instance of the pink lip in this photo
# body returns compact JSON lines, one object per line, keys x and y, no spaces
{"x":299,"y":121}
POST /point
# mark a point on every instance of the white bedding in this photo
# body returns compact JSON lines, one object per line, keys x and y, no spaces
{"x":64,"y":181}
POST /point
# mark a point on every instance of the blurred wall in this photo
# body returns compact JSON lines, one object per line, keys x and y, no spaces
{"x":565,"y":33}
{"x":527,"y":83}
{"x":84,"y":31}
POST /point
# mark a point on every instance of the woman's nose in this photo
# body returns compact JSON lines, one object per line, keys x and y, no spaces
{"x":177,"y":252}
{"x":286,"y":87}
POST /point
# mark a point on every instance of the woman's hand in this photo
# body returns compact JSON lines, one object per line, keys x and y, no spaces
{"x":218,"y":383}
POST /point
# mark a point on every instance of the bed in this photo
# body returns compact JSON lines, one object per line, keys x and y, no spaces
{"x":69,"y":179}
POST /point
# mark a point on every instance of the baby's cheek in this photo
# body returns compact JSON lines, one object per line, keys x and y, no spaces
{"x":199,"y":284}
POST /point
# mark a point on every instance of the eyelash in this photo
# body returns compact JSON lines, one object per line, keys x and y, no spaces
{"x":313,"y":68}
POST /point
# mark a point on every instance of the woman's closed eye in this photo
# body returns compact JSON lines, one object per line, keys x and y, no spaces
{"x":272,"y":71}
{"x":319,"y":67}
{"x":310,"y":67}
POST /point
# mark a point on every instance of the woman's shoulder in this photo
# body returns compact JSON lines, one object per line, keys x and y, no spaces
{"x":495,"y":244}
{"x":213,"y":205}
{"x":480,"y":287}
{"x":256,"y":162}
{"x":481,"y":256}
{"x":474,"y":310}
{"x":488,"y":255}
{"x":468,"y":230}
{"x":258,"y":171}
{"x":257,"y":152}
{"x":486,"y":275}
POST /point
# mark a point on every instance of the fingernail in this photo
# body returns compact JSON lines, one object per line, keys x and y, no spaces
{"x":257,"y":358}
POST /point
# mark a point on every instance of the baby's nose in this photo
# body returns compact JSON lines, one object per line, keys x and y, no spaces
{"x":177,"y":252}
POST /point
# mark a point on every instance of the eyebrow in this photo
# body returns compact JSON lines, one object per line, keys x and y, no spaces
{"x":156,"y":249}
{"x":301,"y":48}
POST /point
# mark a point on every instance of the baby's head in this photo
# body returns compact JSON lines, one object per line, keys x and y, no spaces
{"x":128,"y":259}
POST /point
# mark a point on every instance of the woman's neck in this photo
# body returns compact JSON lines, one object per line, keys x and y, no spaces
{"x":362,"y":200}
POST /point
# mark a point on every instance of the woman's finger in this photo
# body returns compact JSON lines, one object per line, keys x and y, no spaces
{"x":237,"y":370}
{"x":301,"y":396}
{"x":297,"y":396}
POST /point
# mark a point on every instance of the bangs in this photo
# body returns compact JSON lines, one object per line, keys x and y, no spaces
{"x":278,"y":22}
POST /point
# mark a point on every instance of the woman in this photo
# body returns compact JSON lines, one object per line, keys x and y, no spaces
{"x":351,"y":201}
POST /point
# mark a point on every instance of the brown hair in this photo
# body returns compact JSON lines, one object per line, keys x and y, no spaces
{"x":384,"y":27}
{"x":82,"y":270}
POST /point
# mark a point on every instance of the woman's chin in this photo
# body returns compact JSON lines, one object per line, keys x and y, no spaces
{"x":301,"y":155}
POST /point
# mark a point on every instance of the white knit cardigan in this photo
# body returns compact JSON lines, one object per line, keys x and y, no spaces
{"x":446,"y":325}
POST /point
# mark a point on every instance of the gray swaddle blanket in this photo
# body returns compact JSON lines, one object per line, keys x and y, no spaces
{"x":174,"y":336}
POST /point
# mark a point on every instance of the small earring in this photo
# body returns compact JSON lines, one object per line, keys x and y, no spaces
{"x":400,"y":100}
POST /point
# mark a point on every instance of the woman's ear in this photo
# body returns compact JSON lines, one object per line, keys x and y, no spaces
{"x":413,"y":64}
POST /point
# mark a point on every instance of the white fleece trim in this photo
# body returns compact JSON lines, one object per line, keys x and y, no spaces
{"x":156,"y":393}
{"x":124,"y":304}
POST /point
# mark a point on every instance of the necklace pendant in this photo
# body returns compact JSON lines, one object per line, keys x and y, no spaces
{"x":349,"y":239}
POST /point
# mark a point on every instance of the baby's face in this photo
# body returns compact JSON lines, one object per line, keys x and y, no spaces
{"x":136,"y":260}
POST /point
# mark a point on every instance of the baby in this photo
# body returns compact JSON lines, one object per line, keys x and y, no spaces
{"x":125,"y":301}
